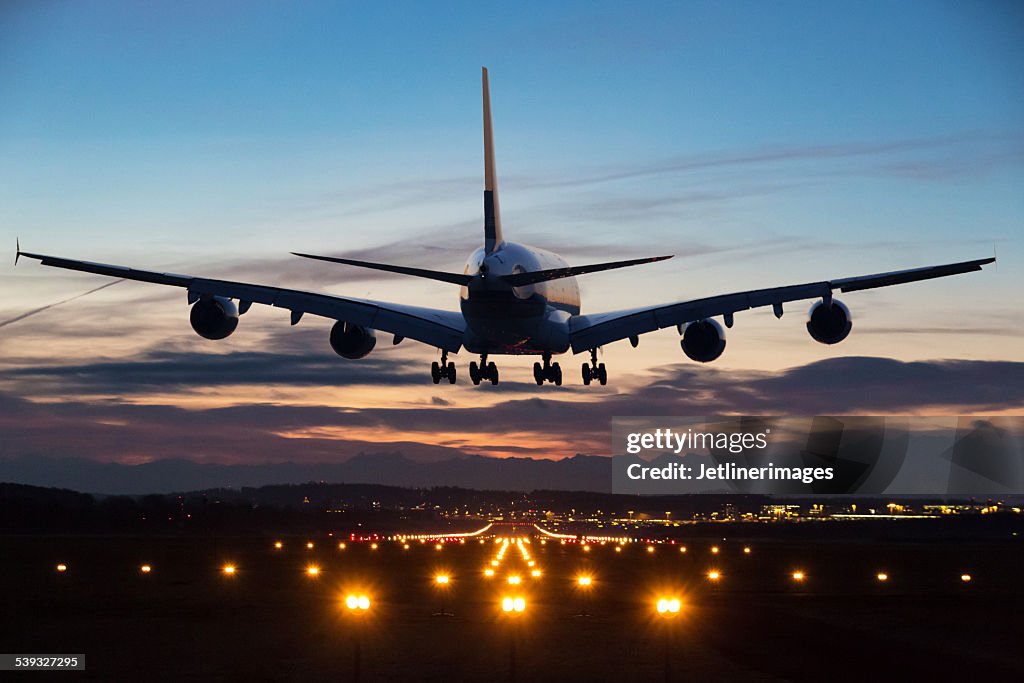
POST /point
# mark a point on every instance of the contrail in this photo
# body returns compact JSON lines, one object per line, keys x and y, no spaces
{"x":43,"y":308}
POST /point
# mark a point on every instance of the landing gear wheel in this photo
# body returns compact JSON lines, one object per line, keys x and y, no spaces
{"x":538,"y":374}
{"x":492,"y":372}
{"x":557,"y":372}
{"x":435,"y":372}
{"x":451,"y":373}
{"x":474,"y":372}
{"x":602,"y":374}
{"x":586,"y":374}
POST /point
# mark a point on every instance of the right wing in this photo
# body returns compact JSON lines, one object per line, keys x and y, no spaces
{"x":443,"y":329}
{"x":591,"y":331}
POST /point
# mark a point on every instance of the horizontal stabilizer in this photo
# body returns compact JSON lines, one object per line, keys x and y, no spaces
{"x":454,"y":278}
{"x":521,"y":279}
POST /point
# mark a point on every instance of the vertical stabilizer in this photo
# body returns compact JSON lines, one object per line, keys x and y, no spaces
{"x":492,"y":214}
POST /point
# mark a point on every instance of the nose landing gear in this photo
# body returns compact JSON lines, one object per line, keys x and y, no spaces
{"x":485,"y":370}
{"x":442,"y":370}
{"x":551,"y":372}
{"x":593,"y":370}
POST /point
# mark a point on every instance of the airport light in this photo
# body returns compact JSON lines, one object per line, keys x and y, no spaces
{"x":714,"y":575}
{"x":514,"y":580}
{"x":746,"y":550}
{"x":714,"y":550}
{"x":405,"y":546}
{"x":341,"y":546}
{"x":650,"y":549}
{"x":489,"y":573}
{"x":312,"y":571}
{"x":586,"y":548}
{"x":682,"y":549}
{"x":145,"y":569}
{"x":309,"y":545}
{"x":535,"y":573}
{"x":798,"y":576}
{"x":513,"y":605}
{"x":618,"y":548}
{"x":229,"y":569}
{"x":583,"y":581}
{"x":966,"y":578}
{"x":62,"y":568}
{"x":278,"y":545}
{"x":438,"y":546}
{"x":373,"y":546}
{"x":668,"y":606}
{"x":441,"y":579}
{"x":882,"y":576}
{"x":357,"y":602}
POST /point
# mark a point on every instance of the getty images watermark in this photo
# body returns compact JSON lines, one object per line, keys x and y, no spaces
{"x":865,"y":455}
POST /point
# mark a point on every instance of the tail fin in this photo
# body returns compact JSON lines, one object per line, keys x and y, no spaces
{"x":492,"y":214}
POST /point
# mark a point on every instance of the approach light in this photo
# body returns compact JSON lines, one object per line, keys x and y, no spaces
{"x":373,"y":546}
{"x":514,"y":580}
{"x":714,"y":575}
{"x":438,"y":546}
{"x":682,"y":548}
{"x":229,"y":569}
{"x":62,"y":567}
{"x":966,"y":578}
{"x":535,"y":573}
{"x":313,"y":570}
{"x":513,"y":604}
{"x":341,"y":546}
{"x":145,"y":569}
{"x":583,"y":581}
{"x":618,"y":548}
{"x":494,"y":563}
{"x":309,"y":545}
{"x":586,"y":548}
{"x":797,"y":576}
{"x":882,"y":576}
{"x":746,"y":550}
{"x":668,"y":606}
{"x":441,"y":579}
{"x":650,"y":548}
{"x":360,"y":602}
{"x":405,"y":546}
{"x":714,"y":550}
{"x":278,"y":545}
{"x":489,"y":572}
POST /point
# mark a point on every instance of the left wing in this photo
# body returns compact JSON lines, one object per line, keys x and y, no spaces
{"x":443,"y":329}
{"x":590,"y":331}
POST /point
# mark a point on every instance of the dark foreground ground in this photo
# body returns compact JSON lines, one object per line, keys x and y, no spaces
{"x":186,"y":620}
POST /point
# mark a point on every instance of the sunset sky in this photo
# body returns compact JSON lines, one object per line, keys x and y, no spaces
{"x":762,"y":145}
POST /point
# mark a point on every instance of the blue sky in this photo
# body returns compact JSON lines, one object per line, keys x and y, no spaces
{"x":761,"y":143}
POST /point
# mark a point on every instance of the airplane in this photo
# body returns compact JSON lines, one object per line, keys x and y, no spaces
{"x":514,"y":300}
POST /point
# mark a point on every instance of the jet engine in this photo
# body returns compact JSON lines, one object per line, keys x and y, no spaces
{"x":352,"y":341}
{"x":703,"y":340}
{"x":829,"y":324}
{"x":214,"y":318}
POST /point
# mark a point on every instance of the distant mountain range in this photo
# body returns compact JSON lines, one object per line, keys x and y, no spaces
{"x":577,"y":473}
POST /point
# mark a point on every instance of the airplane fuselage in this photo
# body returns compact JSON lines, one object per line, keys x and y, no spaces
{"x":532,"y":319}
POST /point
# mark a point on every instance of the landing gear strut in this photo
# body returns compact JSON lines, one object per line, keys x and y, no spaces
{"x":551,"y":372}
{"x":484,"y":371}
{"x":442,"y":370}
{"x":594,"y":370}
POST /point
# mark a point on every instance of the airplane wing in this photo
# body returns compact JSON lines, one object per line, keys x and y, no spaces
{"x":442,"y":329}
{"x":590,"y":331}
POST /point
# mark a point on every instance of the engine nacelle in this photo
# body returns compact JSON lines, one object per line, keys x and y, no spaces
{"x":214,"y":318}
{"x":703,"y":340}
{"x":352,"y":341}
{"x":829,"y":324}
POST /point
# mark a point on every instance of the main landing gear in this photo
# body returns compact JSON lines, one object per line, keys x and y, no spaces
{"x":442,"y":370}
{"x":484,"y":371}
{"x":594,"y":370}
{"x":551,"y":372}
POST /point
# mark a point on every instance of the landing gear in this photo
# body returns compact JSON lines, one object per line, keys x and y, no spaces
{"x":594,"y":370}
{"x":551,"y":372}
{"x":484,"y":371}
{"x":442,"y":370}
